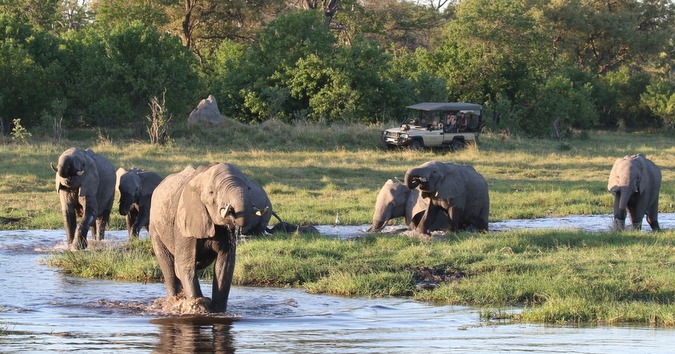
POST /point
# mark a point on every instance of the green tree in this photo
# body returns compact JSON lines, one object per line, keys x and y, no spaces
{"x":118,"y":71}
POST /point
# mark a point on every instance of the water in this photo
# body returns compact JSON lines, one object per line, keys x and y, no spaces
{"x":42,"y":310}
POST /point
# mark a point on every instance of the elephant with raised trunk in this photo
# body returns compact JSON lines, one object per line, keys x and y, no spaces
{"x":195,"y":218}
{"x":397,"y":200}
{"x":457,"y":191}
{"x":85,"y":182}
{"x":635,"y":182}
{"x":136,"y":186}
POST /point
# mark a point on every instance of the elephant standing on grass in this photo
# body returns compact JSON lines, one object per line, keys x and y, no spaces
{"x":136,"y":187}
{"x":396,"y":200}
{"x":85,"y":182}
{"x":457,"y":191}
{"x":195,"y":218}
{"x":635,"y":182}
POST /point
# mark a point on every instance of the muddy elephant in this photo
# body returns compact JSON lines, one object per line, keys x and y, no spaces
{"x":396,"y":200}
{"x":282,"y":226}
{"x":136,"y":186}
{"x":85,"y":182}
{"x":458,"y":191}
{"x":195,"y":218}
{"x":635,"y":182}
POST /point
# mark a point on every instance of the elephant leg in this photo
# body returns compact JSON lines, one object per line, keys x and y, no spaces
{"x":636,"y":215}
{"x":129,"y":220}
{"x":186,"y":266}
{"x":222,"y":280}
{"x":142,"y":220}
{"x":166,"y":265}
{"x":652,"y":216}
{"x":455,"y":214}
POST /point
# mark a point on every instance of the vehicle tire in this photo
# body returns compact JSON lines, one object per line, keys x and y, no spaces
{"x":457,"y":144}
{"x":415,"y":145}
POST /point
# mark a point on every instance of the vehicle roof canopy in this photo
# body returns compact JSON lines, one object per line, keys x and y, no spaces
{"x":445,"y":106}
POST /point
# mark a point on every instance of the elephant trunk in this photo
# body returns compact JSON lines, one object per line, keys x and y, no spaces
{"x":621,"y":197}
{"x":415,"y":177}
{"x":376,"y":226}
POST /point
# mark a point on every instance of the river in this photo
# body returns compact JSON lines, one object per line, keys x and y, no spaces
{"x":42,"y":310}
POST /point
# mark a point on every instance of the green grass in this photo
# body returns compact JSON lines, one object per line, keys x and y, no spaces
{"x":312,"y":172}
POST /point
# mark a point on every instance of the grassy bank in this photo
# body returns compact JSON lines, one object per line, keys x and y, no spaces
{"x":313,"y":172}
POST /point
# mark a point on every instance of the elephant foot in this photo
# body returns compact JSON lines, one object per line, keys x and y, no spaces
{"x":636,"y":227}
{"x":181,"y":305}
{"x":78,"y":245}
{"x":617,"y":225}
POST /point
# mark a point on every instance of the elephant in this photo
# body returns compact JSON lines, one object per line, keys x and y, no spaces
{"x":136,"y":187}
{"x":635,"y":182}
{"x":458,"y":191}
{"x":85,"y":182}
{"x":289,"y":228}
{"x":396,"y":200}
{"x":195,"y":218}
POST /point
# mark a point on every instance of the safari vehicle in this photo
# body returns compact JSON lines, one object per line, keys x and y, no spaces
{"x":427,"y":126}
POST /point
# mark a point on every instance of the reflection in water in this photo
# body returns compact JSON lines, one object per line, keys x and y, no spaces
{"x":202,"y":334}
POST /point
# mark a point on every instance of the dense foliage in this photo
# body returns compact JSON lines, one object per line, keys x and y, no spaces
{"x":538,"y":66}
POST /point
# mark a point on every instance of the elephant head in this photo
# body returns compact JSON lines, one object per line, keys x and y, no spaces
{"x":220,"y":195}
{"x":129,"y":186}
{"x":634,"y":181}
{"x":73,"y":170}
{"x":391,"y":203}
{"x":436,"y":180}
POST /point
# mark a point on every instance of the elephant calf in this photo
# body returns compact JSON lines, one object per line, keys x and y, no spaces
{"x":136,"y":187}
{"x":397,"y":200}
{"x":85,"y":182}
{"x":635,"y":182}
{"x":194,"y":221}
{"x":458,"y":191}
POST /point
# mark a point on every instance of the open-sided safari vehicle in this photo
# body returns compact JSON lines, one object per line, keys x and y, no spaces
{"x":447,"y":125}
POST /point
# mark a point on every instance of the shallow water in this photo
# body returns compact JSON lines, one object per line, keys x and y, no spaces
{"x":42,"y":310}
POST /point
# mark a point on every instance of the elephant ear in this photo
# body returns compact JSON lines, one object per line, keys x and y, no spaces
{"x":450,"y":186}
{"x":90,"y":180}
{"x":192,"y":218}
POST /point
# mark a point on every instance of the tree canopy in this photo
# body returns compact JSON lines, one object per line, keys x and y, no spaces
{"x":535,"y":65}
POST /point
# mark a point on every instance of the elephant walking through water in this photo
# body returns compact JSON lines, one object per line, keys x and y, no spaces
{"x":194,"y":221}
{"x":635,"y":182}
{"x":85,"y":182}
{"x":458,"y":191}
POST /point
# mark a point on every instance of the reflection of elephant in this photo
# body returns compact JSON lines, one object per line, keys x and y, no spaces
{"x":635,"y":183}
{"x":136,"y":187}
{"x":457,"y":190}
{"x":204,"y":334}
{"x":195,"y":217}
{"x":85,"y":182}
{"x":395,"y":200}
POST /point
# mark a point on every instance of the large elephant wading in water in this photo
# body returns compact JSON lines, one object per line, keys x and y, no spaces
{"x":136,"y":187}
{"x":635,"y":182}
{"x":195,"y":218}
{"x":397,"y":200}
{"x":85,"y":182}
{"x":455,"y":190}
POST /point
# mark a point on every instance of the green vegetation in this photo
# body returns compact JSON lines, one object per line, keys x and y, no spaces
{"x":539,"y":67}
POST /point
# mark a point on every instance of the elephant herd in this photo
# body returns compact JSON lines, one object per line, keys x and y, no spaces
{"x":197,"y":213}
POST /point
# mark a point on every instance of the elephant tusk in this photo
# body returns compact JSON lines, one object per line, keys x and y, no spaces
{"x":262,"y":212}
{"x":225,"y":211}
